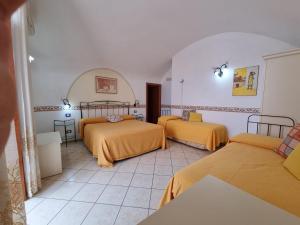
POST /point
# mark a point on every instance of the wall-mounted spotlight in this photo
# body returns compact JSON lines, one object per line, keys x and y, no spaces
{"x":219,"y":71}
{"x":30,"y":59}
{"x":66,"y":103}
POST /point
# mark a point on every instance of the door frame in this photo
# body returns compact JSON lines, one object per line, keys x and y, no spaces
{"x":147,"y":93}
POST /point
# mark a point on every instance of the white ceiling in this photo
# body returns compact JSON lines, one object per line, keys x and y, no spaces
{"x":141,"y":36}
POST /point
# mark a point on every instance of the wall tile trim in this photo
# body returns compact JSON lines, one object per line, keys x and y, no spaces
{"x":201,"y":108}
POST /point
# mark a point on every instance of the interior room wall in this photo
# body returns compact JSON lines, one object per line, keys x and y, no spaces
{"x":166,"y":86}
{"x":50,"y":86}
{"x":83,"y":89}
{"x":202,"y":88}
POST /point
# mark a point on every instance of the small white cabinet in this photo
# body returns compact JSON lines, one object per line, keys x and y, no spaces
{"x":49,"y":148}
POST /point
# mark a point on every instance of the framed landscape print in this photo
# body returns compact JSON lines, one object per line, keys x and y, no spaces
{"x":245,"y":81}
{"x":106,"y":85}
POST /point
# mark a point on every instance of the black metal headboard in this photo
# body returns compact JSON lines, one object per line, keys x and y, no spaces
{"x":104,"y":108}
{"x":262,"y":120}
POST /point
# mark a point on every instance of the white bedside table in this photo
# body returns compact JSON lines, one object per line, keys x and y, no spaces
{"x":49,"y":153}
{"x":213,"y":202}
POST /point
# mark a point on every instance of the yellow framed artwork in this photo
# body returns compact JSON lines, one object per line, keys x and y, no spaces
{"x":245,"y":81}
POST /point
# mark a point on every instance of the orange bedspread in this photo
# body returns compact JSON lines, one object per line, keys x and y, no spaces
{"x":110,"y":142}
{"x":257,"y":170}
{"x":209,"y":135}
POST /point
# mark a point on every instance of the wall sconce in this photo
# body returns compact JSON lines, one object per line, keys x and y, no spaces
{"x":219,"y":71}
{"x":136,"y":103}
{"x":66,"y":103}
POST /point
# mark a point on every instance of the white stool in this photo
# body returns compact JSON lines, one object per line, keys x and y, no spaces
{"x":49,"y":153}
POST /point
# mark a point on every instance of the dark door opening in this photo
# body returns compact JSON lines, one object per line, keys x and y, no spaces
{"x":153,"y":102}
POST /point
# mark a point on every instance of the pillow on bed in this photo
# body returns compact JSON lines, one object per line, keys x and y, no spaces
{"x":186,"y":113}
{"x":195,"y":117}
{"x":127,"y":117}
{"x":292,"y":163}
{"x":114,"y":118}
{"x":290,"y":142}
{"x":257,"y":140}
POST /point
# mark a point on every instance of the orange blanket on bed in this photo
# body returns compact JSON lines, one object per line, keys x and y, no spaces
{"x":110,"y":142}
{"x":249,"y":163}
{"x":209,"y":135}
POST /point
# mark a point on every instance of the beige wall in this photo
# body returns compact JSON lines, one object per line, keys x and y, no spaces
{"x":282,"y":85}
{"x":83,"y":89}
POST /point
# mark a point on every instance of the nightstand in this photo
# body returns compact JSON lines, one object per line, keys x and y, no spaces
{"x":68,"y":128}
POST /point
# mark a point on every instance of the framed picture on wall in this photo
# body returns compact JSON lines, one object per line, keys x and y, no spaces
{"x":245,"y":81}
{"x":106,"y":85}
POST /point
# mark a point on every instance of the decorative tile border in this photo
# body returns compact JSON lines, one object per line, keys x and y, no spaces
{"x":61,"y":108}
{"x":202,"y":108}
{"x":215,"y":108}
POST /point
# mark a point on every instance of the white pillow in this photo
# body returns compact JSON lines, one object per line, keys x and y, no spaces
{"x":114,"y":118}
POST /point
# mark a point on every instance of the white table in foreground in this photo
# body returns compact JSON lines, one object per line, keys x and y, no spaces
{"x":214,"y":202}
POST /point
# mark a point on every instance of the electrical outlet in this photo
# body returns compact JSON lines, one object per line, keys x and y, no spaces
{"x":134,"y":111}
{"x":68,"y":114}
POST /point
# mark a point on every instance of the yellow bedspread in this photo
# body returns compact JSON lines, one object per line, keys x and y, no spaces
{"x":208,"y":134}
{"x":254,"y":169}
{"x":110,"y":142}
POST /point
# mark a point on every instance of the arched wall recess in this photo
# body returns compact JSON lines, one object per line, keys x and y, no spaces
{"x":84,"y":88}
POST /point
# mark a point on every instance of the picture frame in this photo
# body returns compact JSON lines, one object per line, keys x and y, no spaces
{"x":106,"y":85}
{"x":245,"y":81}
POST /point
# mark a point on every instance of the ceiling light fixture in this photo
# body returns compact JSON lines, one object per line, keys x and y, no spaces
{"x":219,"y":71}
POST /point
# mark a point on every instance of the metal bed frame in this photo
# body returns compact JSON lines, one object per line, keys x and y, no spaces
{"x":99,"y":108}
{"x":259,"y":120}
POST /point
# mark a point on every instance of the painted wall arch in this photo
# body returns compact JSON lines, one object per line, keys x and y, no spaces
{"x":83,"y":88}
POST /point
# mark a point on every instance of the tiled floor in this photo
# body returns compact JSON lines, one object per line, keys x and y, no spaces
{"x":89,"y":195}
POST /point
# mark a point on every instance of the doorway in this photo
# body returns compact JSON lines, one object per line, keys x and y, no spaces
{"x":153,"y":102}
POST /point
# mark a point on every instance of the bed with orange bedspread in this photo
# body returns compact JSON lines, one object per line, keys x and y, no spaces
{"x":111,"y":142}
{"x":249,"y":163}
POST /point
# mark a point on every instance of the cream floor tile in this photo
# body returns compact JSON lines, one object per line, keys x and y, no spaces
{"x":131,"y":216}
{"x":75,"y":164}
{"x":163,"y":170}
{"x":145,"y":168}
{"x":82,"y":176}
{"x":31,"y":203}
{"x":102,"y":177}
{"x":114,"y":168}
{"x":67,"y":190}
{"x":89,"y":193}
{"x":92,"y":165}
{"x":102,"y":215}
{"x":65,"y":175}
{"x":149,"y":161}
{"x":121,"y":179}
{"x":163,"y":154}
{"x":137,"y":197}
{"x":142,"y":180}
{"x":179,"y":162}
{"x":44,"y":212}
{"x":177,"y":168}
{"x":160,"y":182}
{"x":127,"y":168}
{"x":151,"y":211}
{"x":113,"y":195}
{"x":156,"y":195}
{"x":163,"y":161}
{"x":49,"y":187}
{"x":72,"y":214}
